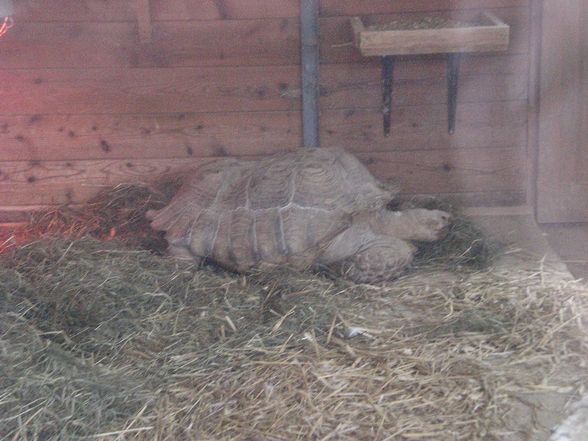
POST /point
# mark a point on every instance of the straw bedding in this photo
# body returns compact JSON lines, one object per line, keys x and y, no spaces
{"x":108,"y":340}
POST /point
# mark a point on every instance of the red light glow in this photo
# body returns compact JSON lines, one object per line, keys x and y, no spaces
{"x":6,"y":24}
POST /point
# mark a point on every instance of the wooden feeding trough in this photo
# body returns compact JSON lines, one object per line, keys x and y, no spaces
{"x":432,"y":35}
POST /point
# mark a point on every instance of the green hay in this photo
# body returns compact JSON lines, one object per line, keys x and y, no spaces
{"x":465,"y":245}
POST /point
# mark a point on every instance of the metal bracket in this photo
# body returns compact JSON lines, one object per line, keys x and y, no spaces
{"x":387,"y":83}
{"x":453,"y":64}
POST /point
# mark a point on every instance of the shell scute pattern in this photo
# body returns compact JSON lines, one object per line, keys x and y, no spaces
{"x":282,"y":209}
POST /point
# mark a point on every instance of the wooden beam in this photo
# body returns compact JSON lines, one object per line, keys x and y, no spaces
{"x":533,"y":107}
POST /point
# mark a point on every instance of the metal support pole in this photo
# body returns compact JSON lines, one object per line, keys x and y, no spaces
{"x":309,"y":35}
{"x":387,"y":82}
{"x":453,"y":61}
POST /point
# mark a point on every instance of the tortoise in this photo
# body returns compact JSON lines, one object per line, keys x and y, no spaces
{"x":305,"y":209}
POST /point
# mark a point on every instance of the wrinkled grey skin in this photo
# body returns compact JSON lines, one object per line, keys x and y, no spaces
{"x":378,"y":245}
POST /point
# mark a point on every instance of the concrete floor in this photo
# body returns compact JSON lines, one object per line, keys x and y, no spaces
{"x":570,"y":242}
{"x":562,"y":249}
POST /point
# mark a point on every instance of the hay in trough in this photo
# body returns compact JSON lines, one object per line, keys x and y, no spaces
{"x":465,"y":245}
{"x":99,"y":341}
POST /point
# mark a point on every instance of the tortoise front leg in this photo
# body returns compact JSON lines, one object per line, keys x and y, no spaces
{"x":385,"y":261}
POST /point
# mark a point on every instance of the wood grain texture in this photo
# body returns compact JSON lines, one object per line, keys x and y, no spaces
{"x":358,"y":86}
{"x":115,"y":91}
{"x":446,"y":171}
{"x":74,"y":10}
{"x":479,"y":125}
{"x":354,"y":7}
{"x":337,"y":33}
{"x":481,"y":37}
{"x":224,"y":9}
{"x":536,"y":10}
{"x":222,"y":43}
{"x":434,"y":66}
{"x":562,"y":180}
{"x":85,"y":104}
{"x":192,"y":43}
{"x":172,"y":44}
{"x":65,"y":182}
{"x":41,"y":45}
{"x":71,"y":137}
{"x":144,"y":20}
{"x":117,"y":10}
{"x":123,"y":10}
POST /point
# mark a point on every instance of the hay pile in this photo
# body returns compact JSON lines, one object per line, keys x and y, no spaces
{"x":99,"y":341}
{"x":102,"y":341}
{"x":117,"y":212}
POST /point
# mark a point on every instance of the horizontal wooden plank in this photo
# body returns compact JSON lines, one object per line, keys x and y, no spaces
{"x":354,"y":7}
{"x":434,"y":66}
{"x":193,"y":43}
{"x":57,"y":137}
{"x":224,"y":9}
{"x":437,"y":171}
{"x":116,"y":10}
{"x":74,"y":10}
{"x":42,"y":45}
{"x":114,"y":91}
{"x":144,"y":21}
{"x":357,"y":86}
{"x":337,"y":33}
{"x":462,"y":39}
{"x":61,"y":182}
{"x":222,"y":43}
{"x":479,"y":125}
{"x":230,"y":89}
{"x":173,"y":44}
{"x":451,"y":170}
{"x":121,"y":10}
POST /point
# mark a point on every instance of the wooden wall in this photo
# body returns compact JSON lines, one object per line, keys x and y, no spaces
{"x":84,"y":104}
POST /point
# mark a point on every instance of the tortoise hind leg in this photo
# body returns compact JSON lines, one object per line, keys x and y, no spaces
{"x":384,"y":259}
{"x":183,"y":252}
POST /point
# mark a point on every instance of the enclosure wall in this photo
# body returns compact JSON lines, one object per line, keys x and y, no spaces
{"x":84,"y":103}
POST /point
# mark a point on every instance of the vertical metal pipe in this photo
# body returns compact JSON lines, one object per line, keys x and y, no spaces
{"x":309,"y":36}
{"x":453,"y":61}
{"x":387,"y":83}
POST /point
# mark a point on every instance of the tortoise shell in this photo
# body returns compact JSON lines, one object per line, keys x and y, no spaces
{"x":283,"y":209}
